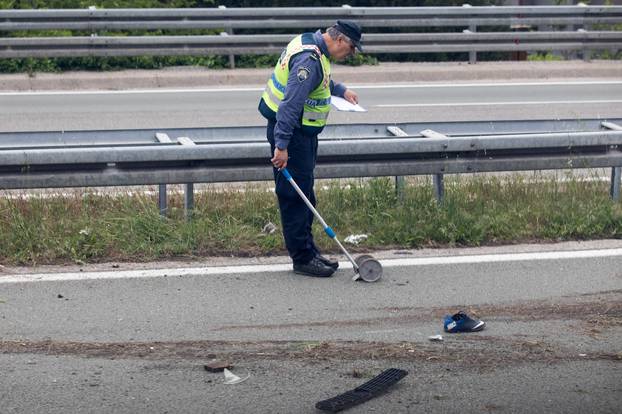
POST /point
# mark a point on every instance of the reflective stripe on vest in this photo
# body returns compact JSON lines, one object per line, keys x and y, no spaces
{"x":317,"y":105}
{"x":311,"y":115}
{"x":310,"y":102}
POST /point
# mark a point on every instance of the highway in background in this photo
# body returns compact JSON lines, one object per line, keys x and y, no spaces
{"x":386,"y":103}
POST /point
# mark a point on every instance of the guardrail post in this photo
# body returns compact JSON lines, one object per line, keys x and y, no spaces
{"x":189,"y":187}
{"x":400,"y":182}
{"x":472,"y":53}
{"x":231,"y":57}
{"x":472,"y":29}
{"x":438,"y":179}
{"x":614,"y":190}
{"x":188,"y":201}
{"x":586,"y":54}
{"x":162,"y":199}
{"x":228,"y":31}
{"x":615,"y":183}
{"x":439,"y":187}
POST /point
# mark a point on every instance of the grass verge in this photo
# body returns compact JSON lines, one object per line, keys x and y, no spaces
{"x":480,"y":210}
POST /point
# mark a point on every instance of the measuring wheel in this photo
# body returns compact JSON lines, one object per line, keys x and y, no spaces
{"x":362,"y":257}
{"x":370,"y":269}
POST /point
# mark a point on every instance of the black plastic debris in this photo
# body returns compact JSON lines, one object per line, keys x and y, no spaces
{"x":217,"y":366}
{"x":362,"y":393}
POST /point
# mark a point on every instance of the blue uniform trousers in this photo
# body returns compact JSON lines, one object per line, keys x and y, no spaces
{"x":296,"y":217}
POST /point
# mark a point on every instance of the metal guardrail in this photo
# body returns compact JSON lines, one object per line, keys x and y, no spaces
{"x":262,"y":19}
{"x":230,"y":134}
{"x":304,"y":17}
{"x":55,"y":161}
{"x":262,"y":44}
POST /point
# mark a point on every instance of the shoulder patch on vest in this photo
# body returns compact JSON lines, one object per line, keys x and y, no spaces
{"x":303,"y":74}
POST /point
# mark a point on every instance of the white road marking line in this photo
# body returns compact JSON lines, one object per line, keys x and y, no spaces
{"x":495,"y":103}
{"x":258,"y":89}
{"x":384,"y":331}
{"x":130,"y":91}
{"x":388,"y":263}
{"x":483,"y":84}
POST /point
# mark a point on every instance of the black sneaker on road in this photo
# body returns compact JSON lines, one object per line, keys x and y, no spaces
{"x":328,"y":262}
{"x":314,"y":268}
{"x":461,"y":322}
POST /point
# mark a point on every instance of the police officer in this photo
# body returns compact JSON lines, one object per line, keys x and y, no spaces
{"x":296,"y":103}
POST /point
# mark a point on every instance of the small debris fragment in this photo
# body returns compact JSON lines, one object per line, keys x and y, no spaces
{"x":357,"y":374}
{"x":269,"y":228}
{"x":355,"y":238}
{"x":582,"y":355}
{"x":115,"y":266}
{"x":217,"y":366}
{"x":232,"y":379}
{"x":60,"y":296}
{"x":436,"y":338}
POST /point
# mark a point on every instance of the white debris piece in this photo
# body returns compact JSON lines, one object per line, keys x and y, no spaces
{"x":355,"y":238}
{"x":436,"y":338}
{"x":231,"y":378}
{"x":269,"y":228}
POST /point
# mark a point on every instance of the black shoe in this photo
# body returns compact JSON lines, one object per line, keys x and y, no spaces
{"x":461,"y":322}
{"x":314,"y":268}
{"x":328,"y":262}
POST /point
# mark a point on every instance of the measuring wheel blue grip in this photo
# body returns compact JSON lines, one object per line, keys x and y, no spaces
{"x":330,"y":232}
{"x":286,"y":173}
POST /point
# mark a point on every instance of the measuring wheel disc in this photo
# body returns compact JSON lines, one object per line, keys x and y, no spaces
{"x":370,"y":270}
{"x":362,"y":258}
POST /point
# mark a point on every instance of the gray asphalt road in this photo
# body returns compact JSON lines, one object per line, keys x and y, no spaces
{"x":269,"y":305}
{"x":552,"y":343}
{"x":237,"y":106}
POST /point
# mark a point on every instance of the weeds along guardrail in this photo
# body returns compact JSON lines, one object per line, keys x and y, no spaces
{"x":208,"y":155}
{"x":485,"y":29}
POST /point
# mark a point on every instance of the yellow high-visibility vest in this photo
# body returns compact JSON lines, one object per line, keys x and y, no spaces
{"x":317,"y":104}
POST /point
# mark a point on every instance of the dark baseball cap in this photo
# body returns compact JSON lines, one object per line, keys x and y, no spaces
{"x":352,"y":30}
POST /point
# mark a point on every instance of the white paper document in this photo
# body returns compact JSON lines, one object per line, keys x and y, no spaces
{"x":343,"y":105}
